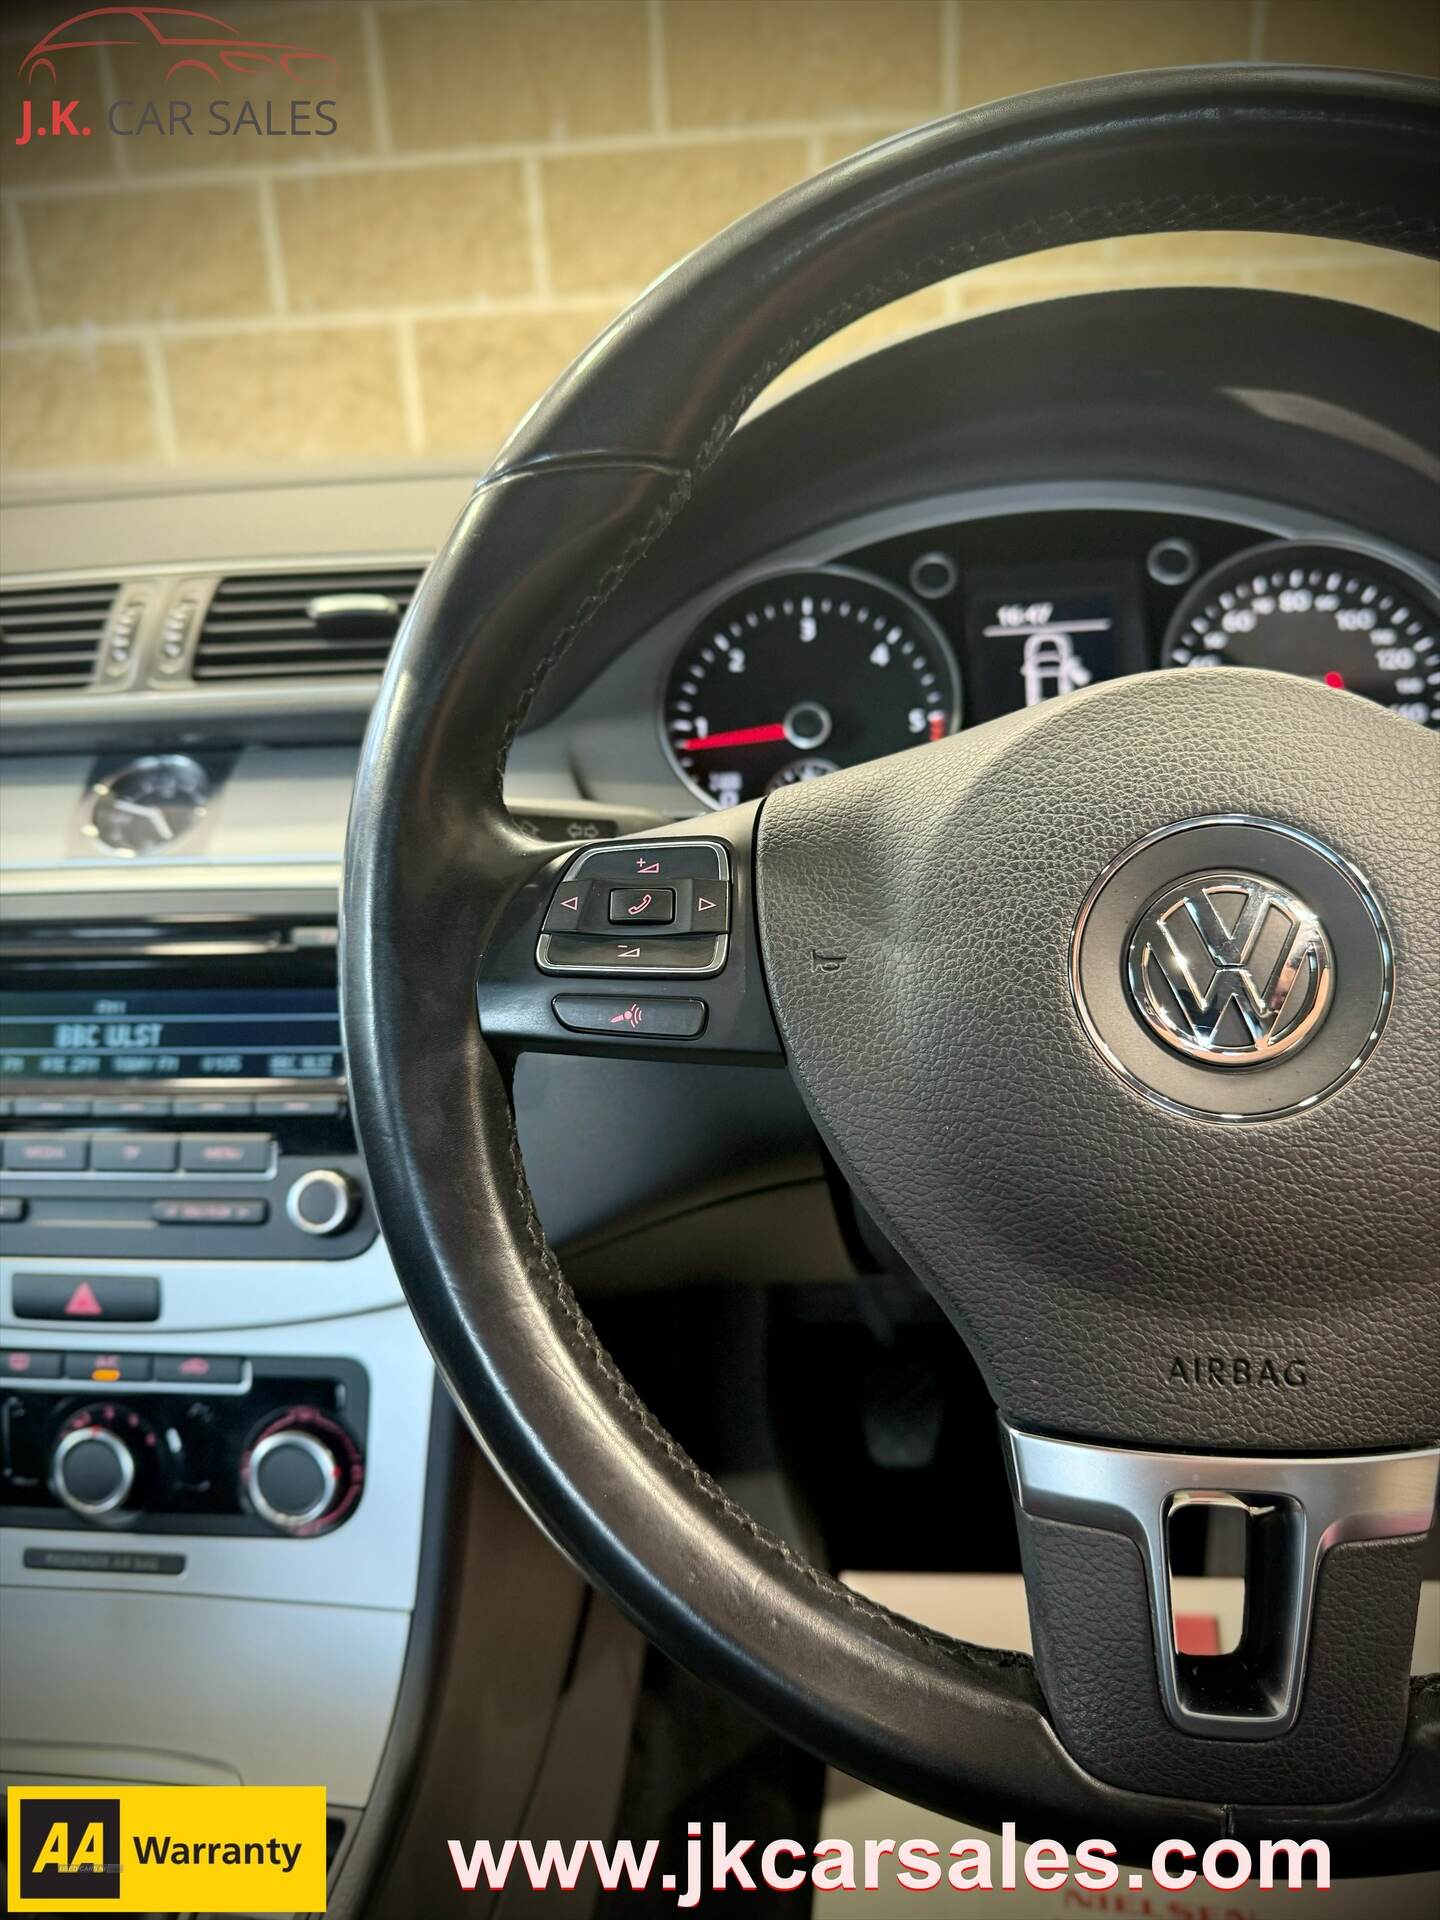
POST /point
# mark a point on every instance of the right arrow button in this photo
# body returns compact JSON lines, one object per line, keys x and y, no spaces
{"x":710,"y":908}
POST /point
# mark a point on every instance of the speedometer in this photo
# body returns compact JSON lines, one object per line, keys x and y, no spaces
{"x":799,"y":674}
{"x":1349,"y":619}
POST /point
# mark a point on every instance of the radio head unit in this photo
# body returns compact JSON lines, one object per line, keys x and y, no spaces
{"x":173,"y":1086}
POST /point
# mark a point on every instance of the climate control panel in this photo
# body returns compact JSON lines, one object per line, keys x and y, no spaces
{"x":180,"y":1443}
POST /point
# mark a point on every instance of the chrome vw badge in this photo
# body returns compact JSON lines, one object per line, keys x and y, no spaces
{"x":1230,"y":969}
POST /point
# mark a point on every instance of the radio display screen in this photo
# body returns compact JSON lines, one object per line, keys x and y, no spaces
{"x":269,"y":1033}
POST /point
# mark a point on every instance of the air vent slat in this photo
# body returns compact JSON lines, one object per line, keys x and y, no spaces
{"x":288,"y":603}
{"x":277,"y":630}
{"x":291,"y":669}
{"x":62,"y":652}
{"x":21,"y":609}
{"x":261,"y":626}
{"x":50,"y":640}
{"x":24,"y":626}
{"x":227,"y":646}
{"x":50,"y":636}
{"x":265,"y":630}
{"x":301,"y":586}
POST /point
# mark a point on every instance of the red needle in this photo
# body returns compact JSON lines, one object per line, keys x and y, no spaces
{"x":738,"y":737}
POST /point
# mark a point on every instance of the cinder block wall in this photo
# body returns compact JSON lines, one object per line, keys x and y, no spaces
{"x":504,"y":176}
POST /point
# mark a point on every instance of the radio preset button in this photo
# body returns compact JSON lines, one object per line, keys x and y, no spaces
{"x":12,"y":1208}
{"x":51,"y":1106}
{"x":298,"y":1106}
{"x":132,"y":1107}
{"x":226,"y":1152}
{"x":148,"y":1153}
{"x":214,"y":1106}
{"x":46,"y":1153}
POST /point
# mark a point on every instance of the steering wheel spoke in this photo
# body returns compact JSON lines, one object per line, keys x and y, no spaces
{"x":644,"y":945}
{"x":1329,"y":1541}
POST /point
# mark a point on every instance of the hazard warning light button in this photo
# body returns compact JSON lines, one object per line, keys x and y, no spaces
{"x":84,"y":1299}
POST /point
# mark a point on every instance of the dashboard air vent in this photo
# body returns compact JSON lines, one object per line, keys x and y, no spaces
{"x":268,"y":626}
{"x":50,"y":636}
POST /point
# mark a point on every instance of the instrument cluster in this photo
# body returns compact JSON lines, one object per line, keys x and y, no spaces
{"x":796,"y":672}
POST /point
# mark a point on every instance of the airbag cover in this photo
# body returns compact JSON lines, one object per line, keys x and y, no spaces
{"x":1120,"y":1270}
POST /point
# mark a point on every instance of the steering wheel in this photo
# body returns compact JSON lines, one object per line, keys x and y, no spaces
{"x":1121,"y":1014}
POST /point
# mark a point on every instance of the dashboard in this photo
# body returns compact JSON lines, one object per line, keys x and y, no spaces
{"x":989,"y":517}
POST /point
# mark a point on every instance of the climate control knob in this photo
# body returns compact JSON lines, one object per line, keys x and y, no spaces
{"x":92,"y":1470}
{"x":302,"y":1473}
{"x":322,"y":1201}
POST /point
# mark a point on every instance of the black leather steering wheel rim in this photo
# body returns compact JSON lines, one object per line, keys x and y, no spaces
{"x":593,"y":477}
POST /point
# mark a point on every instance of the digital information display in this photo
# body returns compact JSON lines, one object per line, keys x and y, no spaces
{"x":1026,"y":648}
{"x":1032,"y":651}
{"x":281,"y":1033}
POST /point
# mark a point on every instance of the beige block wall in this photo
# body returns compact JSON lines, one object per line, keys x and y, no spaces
{"x":505,"y":176}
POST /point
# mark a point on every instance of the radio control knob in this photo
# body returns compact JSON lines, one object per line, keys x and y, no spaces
{"x":291,"y":1479}
{"x":92,"y":1471}
{"x":322,"y":1201}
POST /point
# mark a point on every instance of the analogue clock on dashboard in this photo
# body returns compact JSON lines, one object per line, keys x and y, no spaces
{"x":147,"y":806}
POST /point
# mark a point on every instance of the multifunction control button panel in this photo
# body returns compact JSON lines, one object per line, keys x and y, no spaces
{"x":665,"y":929}
{"x":649,"y":907}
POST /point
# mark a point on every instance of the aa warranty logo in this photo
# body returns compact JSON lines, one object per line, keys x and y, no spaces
{"x":167,"y":1850}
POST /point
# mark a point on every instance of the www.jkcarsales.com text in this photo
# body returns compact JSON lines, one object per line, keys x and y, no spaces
{"x":714,"y":1863}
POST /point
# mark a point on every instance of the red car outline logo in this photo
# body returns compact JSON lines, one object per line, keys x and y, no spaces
{"x":236,"y":54}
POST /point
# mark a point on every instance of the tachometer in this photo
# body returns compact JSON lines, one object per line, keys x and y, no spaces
{"x":799,"y":674}
{"x":1306,"y":607}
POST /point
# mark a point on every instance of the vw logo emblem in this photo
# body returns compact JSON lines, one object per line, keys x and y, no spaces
{"x":1230,"y":970}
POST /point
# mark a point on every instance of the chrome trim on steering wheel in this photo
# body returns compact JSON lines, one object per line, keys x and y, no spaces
{"x":1306,"y":1506}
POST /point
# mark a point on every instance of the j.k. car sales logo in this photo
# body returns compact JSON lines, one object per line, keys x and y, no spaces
{"x":184,"y":49}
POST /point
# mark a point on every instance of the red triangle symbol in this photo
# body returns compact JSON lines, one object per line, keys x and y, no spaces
{"x":702,"y":905}
{"x":83,"y":1300}
{"x":573,"y":903}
